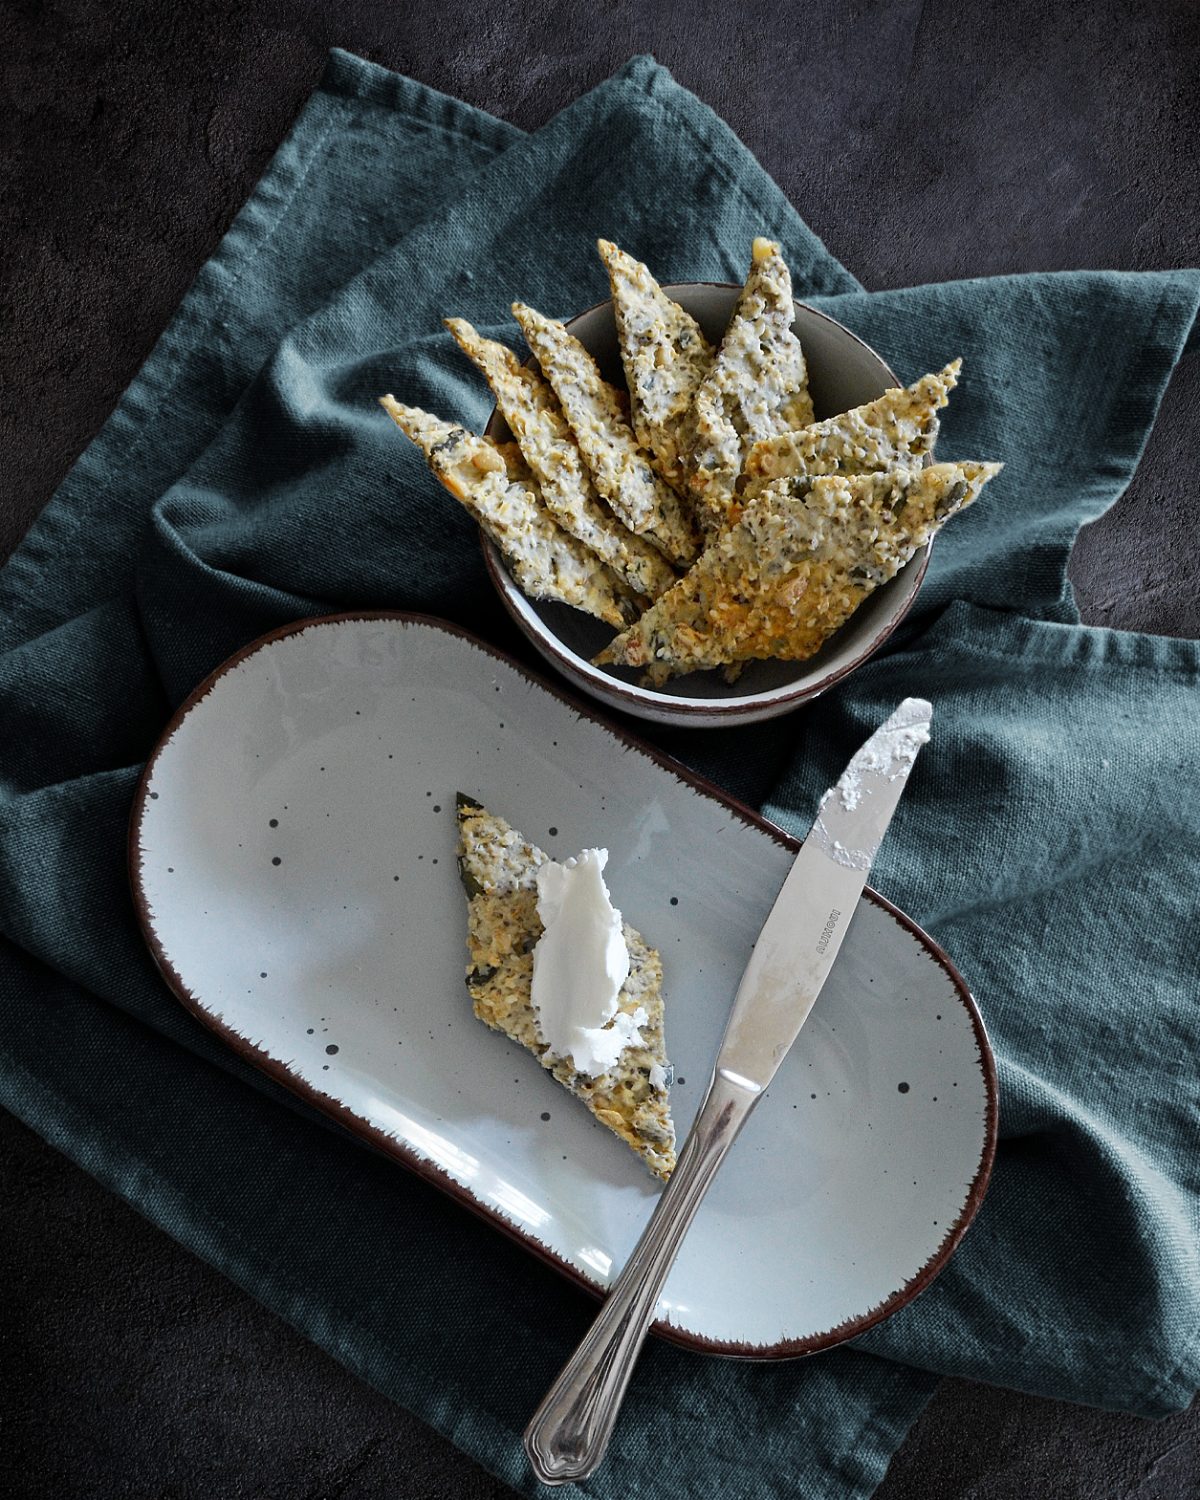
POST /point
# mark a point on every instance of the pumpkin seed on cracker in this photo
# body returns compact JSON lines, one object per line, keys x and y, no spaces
{"x":794,"y":567}
{"x":496,"y":487}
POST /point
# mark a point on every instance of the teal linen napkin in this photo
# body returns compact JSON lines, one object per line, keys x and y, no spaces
{"x":1050,"y":837}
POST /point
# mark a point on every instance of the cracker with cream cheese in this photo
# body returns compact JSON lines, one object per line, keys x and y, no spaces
{"x":666,"y":357}
{"x":499,"y":873}
{"x":531,"y":409}
{"x":896,"y":430}
{"x":757,"y":387}
{"x":794,"y":567}
{"x":496,"y":487}
{"x":620,"y":466}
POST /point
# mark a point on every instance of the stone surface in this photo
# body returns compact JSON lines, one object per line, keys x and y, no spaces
{"x":130,"y":1371}
{"x":923,"y":142}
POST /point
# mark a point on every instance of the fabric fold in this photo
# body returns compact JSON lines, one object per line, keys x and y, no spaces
{"x":1076,"y":363}
{"x":1048,"y":838}
{"x":1056,"y":890}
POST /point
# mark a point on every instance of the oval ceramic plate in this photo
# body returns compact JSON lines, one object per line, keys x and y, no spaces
{"x":293,"y":859}
{"x":843,"y":373}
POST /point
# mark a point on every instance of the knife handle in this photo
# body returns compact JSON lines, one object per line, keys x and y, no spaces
{"x":567,"y":1435}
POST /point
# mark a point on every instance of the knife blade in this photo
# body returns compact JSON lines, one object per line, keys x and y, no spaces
{"x":791,"y":959}
{"x":806,"y":926}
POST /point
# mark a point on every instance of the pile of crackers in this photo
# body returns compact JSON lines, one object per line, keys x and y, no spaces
{"x":703,"y":514}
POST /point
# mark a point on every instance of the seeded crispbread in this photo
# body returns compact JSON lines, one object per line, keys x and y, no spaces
{"x":665,"y":355}
{"x":530,"y":407}
{"x":792,"y":569}
{"x":620,"y":466}
{"x":499,"y":873}
{"x":757,"y":387}
{"x":896,"y":430}
{"x":496,"y":487}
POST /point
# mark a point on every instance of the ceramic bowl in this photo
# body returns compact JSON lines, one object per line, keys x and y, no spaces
{"x":843,"y":373}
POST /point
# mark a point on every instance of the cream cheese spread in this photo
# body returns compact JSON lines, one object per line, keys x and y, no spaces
{"x":888,"y":754}
{"x":580,"y":963}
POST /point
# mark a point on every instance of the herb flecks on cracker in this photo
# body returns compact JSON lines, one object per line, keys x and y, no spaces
{"x":794,"y":567}
{"x":496,"y":487}
{"x":531,"y":409}
{"x":499,"y":872}
{"x":620,"y":466}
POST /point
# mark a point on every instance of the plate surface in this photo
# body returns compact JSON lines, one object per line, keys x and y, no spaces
{"x":293,"y":859}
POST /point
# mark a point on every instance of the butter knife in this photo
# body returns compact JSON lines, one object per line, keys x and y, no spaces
{"x":568,"y":1434}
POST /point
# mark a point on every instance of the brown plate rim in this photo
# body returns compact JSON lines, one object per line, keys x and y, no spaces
{"x":357,"y":1126}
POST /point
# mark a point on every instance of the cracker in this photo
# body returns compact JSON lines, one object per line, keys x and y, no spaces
{"x":499,"y":873}
{"x":757,"y":387}
{"x":896,"y":430}
{"x":620,"y":466}
{"x":665,"y":355}
{"x":498,"y":490}
{"x":794,"y":567}
{"x":531,"y":409}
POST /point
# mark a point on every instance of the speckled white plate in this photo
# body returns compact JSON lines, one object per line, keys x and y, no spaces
{"x":292,"y":849}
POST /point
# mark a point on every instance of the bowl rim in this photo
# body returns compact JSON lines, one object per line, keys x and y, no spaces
{"x":594,"y":680}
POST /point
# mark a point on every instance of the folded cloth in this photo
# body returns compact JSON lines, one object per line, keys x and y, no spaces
{"x":1050,"y":836}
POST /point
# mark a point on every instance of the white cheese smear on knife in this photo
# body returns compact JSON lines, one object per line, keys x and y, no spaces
{"x":580,"y":963}
{"x":889,"y":752}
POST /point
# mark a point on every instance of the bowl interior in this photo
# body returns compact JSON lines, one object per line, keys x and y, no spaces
{"x":843,"y":372}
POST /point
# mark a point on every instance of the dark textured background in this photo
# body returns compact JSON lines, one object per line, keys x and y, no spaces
{"x":923,"y":142}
